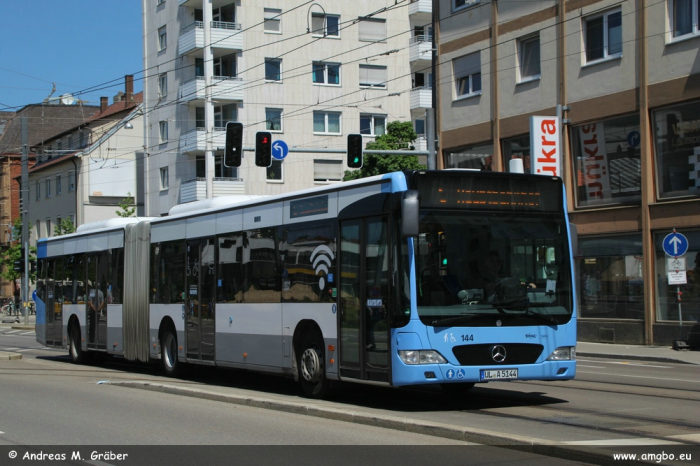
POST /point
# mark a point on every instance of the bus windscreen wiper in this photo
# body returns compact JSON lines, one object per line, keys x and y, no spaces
{"x":453,"y":320}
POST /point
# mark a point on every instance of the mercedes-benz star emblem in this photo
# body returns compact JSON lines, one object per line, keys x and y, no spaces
{"x":498,"y":353}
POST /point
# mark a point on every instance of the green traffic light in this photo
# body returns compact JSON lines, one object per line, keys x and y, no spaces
{"x":444,"y":262}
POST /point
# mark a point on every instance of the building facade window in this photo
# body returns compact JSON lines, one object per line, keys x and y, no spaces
{"x":220,"y":170}
{"x":275,"y":172}
{"x":460,"y":4}
{"x":419,"y":127}
{"x":325,"y":25}
{"x":529,"y":58}
{"x":326,"y":122}
{"x":81,"y":139}
{"x":48,"y":227}
{"x":372,"y":29}
{"x":607,"y":161}
{"x":162,"y":39}
{"x":603,"y":36}
{"x":677,"y":144}
{"x":372,"y":125}
{"x":609,"y":274}
{"x":326,"y":73}
{"x":59,"y":188}
{"x":273,"y":119}
{"x":684,"y":16}
{"x":328,"y":171}
{"x":163,"y":132}
{"x":667,"y":295}
{"x":48,"y":187}
{"x":164,"y":179}
{"x":162,"y":85}
{"x":476,"y":156}
{"x":38,"y":190}
{"x":373,"y":76}
{"x":273,"y":69}
{"x":273,"y":23}
{"x":516,"y":148}
{"x":71,"y":181}
{"x":467,"y":73}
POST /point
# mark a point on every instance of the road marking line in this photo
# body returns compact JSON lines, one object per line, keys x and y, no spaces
{"x":623,"y":442}
{"x":592,"y":367}
{"x":13,"y":331}
{"x":626,"y":363}
{"x":637,"y":377}
{"x":9,"y":349}
{"x":29,"y":333}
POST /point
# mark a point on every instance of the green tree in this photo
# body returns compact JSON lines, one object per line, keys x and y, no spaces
{"x":399,"y":135}
{"x":14,"y":252}
{"x":66,"y":227}
{"x":127,"y":206}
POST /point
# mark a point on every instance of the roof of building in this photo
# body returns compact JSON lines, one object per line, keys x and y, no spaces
{"x":44,"y":122}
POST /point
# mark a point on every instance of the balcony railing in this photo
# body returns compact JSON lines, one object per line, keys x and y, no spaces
{"x":420,"y":6}
{"x":224,"y":35}
{"x":194,"y":141}
{"x":196,"y":189}
{"x":223,"y":88}
{"x":421,"y":97}
{"x":420,"y":48}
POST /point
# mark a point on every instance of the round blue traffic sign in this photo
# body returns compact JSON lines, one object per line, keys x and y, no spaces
{"x":280,"y":150}
{"x":675,"y":244}
{"x":633,"y":138}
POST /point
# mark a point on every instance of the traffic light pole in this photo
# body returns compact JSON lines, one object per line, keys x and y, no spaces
{"x":25,"y":227}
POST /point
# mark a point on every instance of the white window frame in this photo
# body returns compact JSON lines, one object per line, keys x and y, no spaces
{"x":48,"y":227}
{"x":367,"y":36}
{"x":163,"y":132}
{"x":368,"y":69}
{"x":164,"y":178}
{"x":272,"y":16}
{"x":465,"y":70}
{"x":522,"y":43}
{"x":694,"y":18}
{"x":268,"y":119}
{"x":462,"y":4}
{"x":324,"y":29}
{"x":162,"y":86}
{"x":330,"y":167}
{"x":162,"y":38}
{"x":325,"y":66}
{"x":270,"y":60}
{"x":58,"y":185}
{"x":274,"y":165}
{"x":372,"y":123}
{"x":325,"y":118}
{"x":606,"y":32}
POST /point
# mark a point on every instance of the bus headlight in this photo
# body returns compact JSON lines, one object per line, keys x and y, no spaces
{"x":563,"y":353}
{"x":421,"y":357}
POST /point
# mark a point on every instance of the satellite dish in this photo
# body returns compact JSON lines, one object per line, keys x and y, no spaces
{"x":67,"y":99}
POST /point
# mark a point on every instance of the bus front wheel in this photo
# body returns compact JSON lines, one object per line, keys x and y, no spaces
{"x":168,"y":353}
{"x":312,"y":366}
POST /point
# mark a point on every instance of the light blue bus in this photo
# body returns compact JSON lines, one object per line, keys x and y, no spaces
{"x":453,"y":277}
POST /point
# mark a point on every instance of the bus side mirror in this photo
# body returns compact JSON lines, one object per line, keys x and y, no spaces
{"x":573,"y":230}
{"x":410,"y":208}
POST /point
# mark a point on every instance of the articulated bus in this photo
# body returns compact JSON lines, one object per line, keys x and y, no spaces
{"x":384,"y":280}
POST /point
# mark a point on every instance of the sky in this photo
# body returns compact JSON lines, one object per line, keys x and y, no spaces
{"x":81,"y":45}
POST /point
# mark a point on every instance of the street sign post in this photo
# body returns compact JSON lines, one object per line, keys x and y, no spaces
{"x":280,"y":149}
{"x":675,"y":244}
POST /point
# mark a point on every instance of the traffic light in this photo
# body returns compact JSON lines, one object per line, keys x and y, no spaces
{"x":355,"y":150}
{"x":234,"y":144}
{"x":263,"y":149}
{"x":18,"y":265}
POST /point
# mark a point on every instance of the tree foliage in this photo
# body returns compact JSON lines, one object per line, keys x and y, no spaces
{"x":66,"y":227}
{"x":127,"y":206}
{"x":14,"y":252}
{"x":399,"y":135}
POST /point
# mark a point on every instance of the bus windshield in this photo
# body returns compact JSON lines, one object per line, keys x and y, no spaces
{"x":485,"y":268}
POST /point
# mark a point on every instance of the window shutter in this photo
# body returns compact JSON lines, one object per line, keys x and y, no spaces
{"x":372,"y":29}
{"x":466,"y":65}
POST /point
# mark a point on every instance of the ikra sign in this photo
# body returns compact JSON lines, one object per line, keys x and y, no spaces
{"x":545,"y":145}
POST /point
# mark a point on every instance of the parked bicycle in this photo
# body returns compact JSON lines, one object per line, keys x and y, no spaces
{"x":10,"y":308}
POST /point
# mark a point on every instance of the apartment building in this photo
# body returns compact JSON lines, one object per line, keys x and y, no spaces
{"x":624,"y":77}
{"x":310,"y":73}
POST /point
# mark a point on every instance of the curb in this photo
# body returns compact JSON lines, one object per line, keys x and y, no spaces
{"x":6,"y":355}
{"x":635,"y":358}
{"x":482,"y":437}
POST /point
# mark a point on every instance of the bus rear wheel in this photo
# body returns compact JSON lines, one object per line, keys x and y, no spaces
{"x":168,"y":353}
{"x":75,"y":350}
{"x":311,"y":366}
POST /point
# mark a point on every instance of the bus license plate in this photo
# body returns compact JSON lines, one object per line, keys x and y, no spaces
{"x":499,"y":374}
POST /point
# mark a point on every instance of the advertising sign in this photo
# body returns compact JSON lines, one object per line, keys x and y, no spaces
{"x":596,"y":173}
{"x":545,"y":145}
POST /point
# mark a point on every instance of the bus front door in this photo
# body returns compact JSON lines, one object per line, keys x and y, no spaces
{"x":51,"y":337}
{"x":364,"y":294}
{"x":200,"y":300}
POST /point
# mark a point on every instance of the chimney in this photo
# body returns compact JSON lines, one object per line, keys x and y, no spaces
{"x":104,"y":103}
{"x":129,"y":82}
{"x":119,"y":97}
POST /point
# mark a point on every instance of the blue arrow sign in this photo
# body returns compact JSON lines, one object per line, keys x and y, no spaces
{"x":280,"y":150}
{"x":675,"y":244}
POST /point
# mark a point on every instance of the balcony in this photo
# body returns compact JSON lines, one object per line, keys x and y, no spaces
{"x":196,"y":189}
{"x":421,"y":142}
{"x":224,"y":88}
{"x":194,"y":141}
{"x":224,"y":36}
{"x":420,"y":48}
{"x":421,"y":97}
{"x":417,"y":7}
